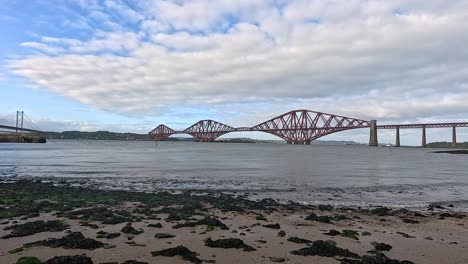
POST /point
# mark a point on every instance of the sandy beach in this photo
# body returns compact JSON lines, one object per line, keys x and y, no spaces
{"x":218,"y":228}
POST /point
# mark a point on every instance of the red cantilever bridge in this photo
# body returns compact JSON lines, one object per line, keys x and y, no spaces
{"x":297,"y":127}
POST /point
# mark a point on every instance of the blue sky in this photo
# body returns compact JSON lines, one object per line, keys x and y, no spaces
{"x":129,"y":65}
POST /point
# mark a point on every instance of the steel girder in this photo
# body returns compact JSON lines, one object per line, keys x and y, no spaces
{"x":208,"y":130}
{"x":161,"y":132}
{"x":303,"y":126}
{"x":297,"y":126}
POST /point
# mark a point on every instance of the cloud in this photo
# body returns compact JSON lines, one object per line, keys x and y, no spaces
{"x":55,"y":125}
{"x":390,"y":60}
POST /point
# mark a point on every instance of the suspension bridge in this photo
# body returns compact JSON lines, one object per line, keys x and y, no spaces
{"x":300,"y":127}
{"x":18,"y":127}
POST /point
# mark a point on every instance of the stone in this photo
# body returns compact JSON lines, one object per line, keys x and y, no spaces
{"x":276,"y":259}
{"x":164,"y":235}
{"x":77,"y":259}
{"x":228,"y":243}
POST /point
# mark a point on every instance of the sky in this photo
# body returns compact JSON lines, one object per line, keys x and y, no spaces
{"x":128,"y":65}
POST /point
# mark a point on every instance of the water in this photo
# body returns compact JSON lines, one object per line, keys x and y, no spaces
{"x":339,"y":175}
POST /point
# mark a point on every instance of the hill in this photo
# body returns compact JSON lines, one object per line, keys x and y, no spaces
{"x":107,"y":135}
{"x":447,"y":145}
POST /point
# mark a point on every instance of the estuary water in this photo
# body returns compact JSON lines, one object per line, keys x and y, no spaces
{"x":338,"y":175}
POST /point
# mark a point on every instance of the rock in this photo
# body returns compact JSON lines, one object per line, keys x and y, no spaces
{"x":164,"y":235}
{"x":322,"y":207}
{"x":158,"y":225}
{"x":378,"y":258}
{"x":281,"y":233}
{"x":299,"y":240}
{"x":31,"y":228}
{"x":134,"y":262}
{"x":71,"y":241}
{"x":276,"y":259}
{"x":321,"y":219}
{"x":267,"y":202}
{"x":350,"y":233}
{"x":436,"y":206}
{"x":327,"y":219}
{"x":454,"y":215}
{"x":101,"y":214}
{"x":417,"y":214}
{"x":405,"y":235}
{"x":16,"y":250}
{"x":410,"y":221}
{"x":403,"y":211}
{"x":182,"y":251}
{"x":92,"y":226}
{"x":381,"y":211}
{"x":324,"y":249}
{"x":332,"y":232}
{"x":272,"y":226}
{"x":365,"y":233}
{"x":381,"y":246}
{"x":261,"y":241}
{"x":205,"y":221}
{"x":345,"y":233}
{"x":77,"y":259}
{"x":260,"y":218}
{"x":137,"y":245}
{"x":228,"y":243}
{"x":128,"y":229}
{"x":428,"y":238}
{"x":112,"y":235}
{"x":28,"y":260}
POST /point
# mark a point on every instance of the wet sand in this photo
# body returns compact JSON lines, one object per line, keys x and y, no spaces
{"x":434,"y":239}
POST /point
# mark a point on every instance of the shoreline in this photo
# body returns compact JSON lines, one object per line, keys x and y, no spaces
{"x":322,"y":196}
{"x":117,"y":226}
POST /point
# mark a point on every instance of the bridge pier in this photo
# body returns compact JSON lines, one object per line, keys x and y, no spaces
{"x":289,"y":142}
{"x":423,"y":143}
{"x":307,"y":142}
{"x":373,"y":141}
{"x":397,"y":143}
{"x":454,"y":136}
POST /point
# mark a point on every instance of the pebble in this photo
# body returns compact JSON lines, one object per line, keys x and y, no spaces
{"x":276,"y":259}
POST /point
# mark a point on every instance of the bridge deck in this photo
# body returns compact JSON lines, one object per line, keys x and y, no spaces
{"x":429,"y":125}
{"x":24,"y":129}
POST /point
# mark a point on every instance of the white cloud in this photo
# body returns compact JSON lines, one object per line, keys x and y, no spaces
{"x":391,"y":60}
{"x":124,"y":11}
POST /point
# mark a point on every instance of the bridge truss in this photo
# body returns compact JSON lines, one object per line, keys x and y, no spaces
{"x":297,"y":126}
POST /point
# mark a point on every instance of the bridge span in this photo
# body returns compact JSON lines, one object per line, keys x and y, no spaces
{"x":19,"y":133}
{"x":299,"y":127}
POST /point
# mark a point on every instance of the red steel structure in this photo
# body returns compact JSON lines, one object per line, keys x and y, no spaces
{"x":303,"y":126}
{"x":300,"y":127}
{"x":297,"y":126}
{"x":429,"y":125}
{"x":162,"y":132}
{"x":208,"y":130}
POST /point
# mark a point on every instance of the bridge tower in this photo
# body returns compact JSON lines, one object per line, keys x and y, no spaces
{"x":19,"y":121}
{"x":454,"y":136}
{"x":373,"y":141}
